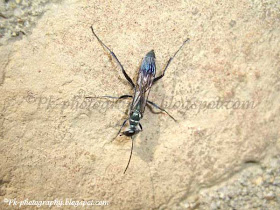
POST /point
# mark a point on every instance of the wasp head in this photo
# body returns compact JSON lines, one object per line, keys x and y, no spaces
{"x":131,"y":131}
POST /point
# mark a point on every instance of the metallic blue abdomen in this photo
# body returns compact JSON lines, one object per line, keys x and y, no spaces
{"x":148,"y":66}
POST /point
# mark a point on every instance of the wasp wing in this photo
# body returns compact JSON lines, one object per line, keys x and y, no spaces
{"x":146,"y":76}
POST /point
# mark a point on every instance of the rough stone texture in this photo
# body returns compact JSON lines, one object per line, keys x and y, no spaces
{"x":55,"y":144}
{"x":17,"y":17}
{"x":257,"y":186}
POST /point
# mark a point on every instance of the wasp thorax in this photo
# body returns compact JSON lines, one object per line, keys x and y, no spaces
{"x":135,"y":116}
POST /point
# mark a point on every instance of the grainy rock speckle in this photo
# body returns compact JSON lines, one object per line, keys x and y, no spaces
{"x":253,"y":187}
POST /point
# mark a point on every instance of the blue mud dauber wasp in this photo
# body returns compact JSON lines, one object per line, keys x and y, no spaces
{"x":146,"y":79}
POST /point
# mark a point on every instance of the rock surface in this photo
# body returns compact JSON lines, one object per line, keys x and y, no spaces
{"x":223,"y":88}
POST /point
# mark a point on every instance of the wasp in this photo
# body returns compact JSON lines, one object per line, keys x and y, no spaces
{"x":146,"y":79}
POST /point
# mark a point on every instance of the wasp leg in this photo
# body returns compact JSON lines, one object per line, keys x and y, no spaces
{"x":112,"y":97}
{"x":169,"y":61}
{"x":153,"y":104}
{"x":120,"y":129}
{"x":140,"y":126}
{"x":115,"y":57}
{"x":125,"y":96}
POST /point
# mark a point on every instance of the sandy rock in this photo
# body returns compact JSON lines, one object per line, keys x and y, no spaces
{"x":57,"y":144}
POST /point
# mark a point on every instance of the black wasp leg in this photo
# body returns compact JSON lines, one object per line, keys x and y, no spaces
{"x":120,"y":129}
{"x":153,"y":104}
{"x":115,"y":57}
{"x":140,"y":126}
{"x":169,"y":61}
{"x":112,"y":97}
{"x":125,"y":96}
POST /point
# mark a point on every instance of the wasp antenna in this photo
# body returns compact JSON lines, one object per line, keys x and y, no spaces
{"x":129,"y":156}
